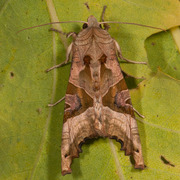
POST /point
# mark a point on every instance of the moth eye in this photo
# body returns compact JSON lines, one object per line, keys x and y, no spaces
{"x":85,"y":25}
{"x":137,"y":150}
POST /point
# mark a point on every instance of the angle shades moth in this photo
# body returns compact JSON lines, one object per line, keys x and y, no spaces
{"x":97,"y":100}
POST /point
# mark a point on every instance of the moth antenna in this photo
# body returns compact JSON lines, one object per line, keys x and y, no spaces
{"x":116,"y":22}
{"x":49,"y":24}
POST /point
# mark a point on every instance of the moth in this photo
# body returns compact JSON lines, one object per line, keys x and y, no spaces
{"x":97,"y":100}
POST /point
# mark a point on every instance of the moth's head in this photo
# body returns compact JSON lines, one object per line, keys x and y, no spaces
{"x":91,"y":22}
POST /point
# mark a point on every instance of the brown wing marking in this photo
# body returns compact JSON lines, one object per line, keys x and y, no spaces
{"x":118,"y":98}
{"x":76,"y":101}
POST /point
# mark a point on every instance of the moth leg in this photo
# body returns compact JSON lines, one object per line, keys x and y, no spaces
{"x":73,"y":34}
{"x":121,"y":57}
{"x":121,"y":99}
{"x":50,"y":105}
{"x":106,"y":26}
{"x":103,"y":12}
{"x":140,"y":115}
{"x":68,"y":53}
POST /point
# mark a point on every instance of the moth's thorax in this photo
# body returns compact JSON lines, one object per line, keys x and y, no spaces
{"x":93,"y":32}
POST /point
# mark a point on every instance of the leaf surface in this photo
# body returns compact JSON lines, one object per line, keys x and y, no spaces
{"x":30,"y":132}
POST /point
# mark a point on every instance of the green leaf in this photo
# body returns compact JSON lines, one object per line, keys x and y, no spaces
{"x":30,"y":132}
{"x":162,"y":53}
